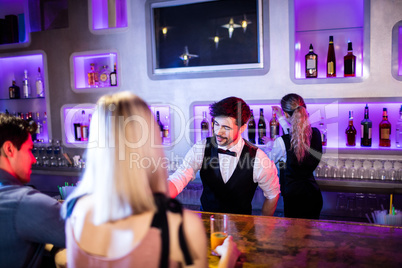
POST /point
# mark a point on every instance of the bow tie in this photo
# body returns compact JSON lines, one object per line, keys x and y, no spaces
{"x":221,"y":151}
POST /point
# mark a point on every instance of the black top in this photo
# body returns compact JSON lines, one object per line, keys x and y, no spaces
{"x":236,"y":194}
{"x":295,"y":177}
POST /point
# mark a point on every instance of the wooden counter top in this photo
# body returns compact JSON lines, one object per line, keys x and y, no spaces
{"x":284,"y":242}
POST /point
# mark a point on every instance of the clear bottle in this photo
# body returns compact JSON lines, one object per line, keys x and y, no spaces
{"x":349,"y":62}
{"x":91,"y":76}
{"x":104,"y":77}
{"x":331,"y":61}
{"x":251,"y":128}
{"x":311,"y":63}
{"x":385,"y":130}
{"x":262,"y":127}
{"x":25,"y":85}
{"x":398,"y":136}
{"x":14,"y":91}
{"x":39,"y":129}
{"x":40,"y":93}
{"x":274,"y":126}
{"x":350,"y":132}
{"x":113,"y":77}
{"x":84,"y":126}
{"x":44,"y":124}
{"x":366,"y":129}
{"x":204,"y":126}
{"x":158,"y":120}
{"x":323,"y":132}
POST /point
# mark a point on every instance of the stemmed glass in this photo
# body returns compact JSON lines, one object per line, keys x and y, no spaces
{"x":335,"y":169}
{"x":343,"y":170}
{"x":371,"y":173}
{"x":326,"y":170}
{"x":360,"y":170}
{"x":393,"y":172}
{"x":382,"y":173}
{"x":352,"y":171}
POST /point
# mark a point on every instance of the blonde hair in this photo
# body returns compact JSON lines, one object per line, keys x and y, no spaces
{"x":300,"y":131}
{"x":126,"y":166}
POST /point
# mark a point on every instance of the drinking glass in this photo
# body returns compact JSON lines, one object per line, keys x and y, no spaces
{"x":382,"y":173}
{"x":343,"y":170}
{"x":360,"y":169}
{"x":352,"y":171}
{"x":371,"y":173}
{"x":219,"y":230}
{"x":393,"y":172}
{"x":326,"y":170}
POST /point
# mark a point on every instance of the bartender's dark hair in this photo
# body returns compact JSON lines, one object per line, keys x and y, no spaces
{"x":232,"y":107}
{"x":300,"y":131}
{"x":13,"y":129}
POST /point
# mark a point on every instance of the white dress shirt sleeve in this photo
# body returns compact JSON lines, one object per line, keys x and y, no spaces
{"x":191,"y":165}
{"x":266,"y":175}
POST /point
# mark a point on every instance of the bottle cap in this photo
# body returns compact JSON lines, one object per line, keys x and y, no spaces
{"x":331,"y":38}
{"x":311,"y":47}
{"x":384,"y":109}
{"x":350,"y":46}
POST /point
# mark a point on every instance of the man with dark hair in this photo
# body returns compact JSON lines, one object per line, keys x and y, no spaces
{"x":230,"y":167}
{"x":28,"y":218}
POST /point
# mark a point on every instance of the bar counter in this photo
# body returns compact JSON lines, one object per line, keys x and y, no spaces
{"x":283,"y":242}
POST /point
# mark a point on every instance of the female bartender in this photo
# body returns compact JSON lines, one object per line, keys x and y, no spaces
{"x":297,"y":154}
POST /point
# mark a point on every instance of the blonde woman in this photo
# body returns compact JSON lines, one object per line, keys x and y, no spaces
{"x":119,"y":215}
{"x":297,"y":154}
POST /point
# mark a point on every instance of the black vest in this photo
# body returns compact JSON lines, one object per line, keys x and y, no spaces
{"x":298,"y":178}
{"x":236,"y":195}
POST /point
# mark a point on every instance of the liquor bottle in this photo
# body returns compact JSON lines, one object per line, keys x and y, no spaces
{"x":39,"y":124}
{"x":44,"y":126}
{"x":274,"y":126}
{"x":204,"y":126}
{"x":158,"y":120}
{"x":166,"y":132}
{"x":350,"y":132}
{"x":25,"y":85}
{"x":349,"y":62}
{"x":366,"y":128}
{"x":113,"y":77}
{"x":323,"y":132}
{"x":91,"y":76}
{"x":14,"y":91}
{"x":311,"y":63}
{"x":262,"y":127}
{"x":104,"y":77}
{"x":77,"y":128}
{"x":385,"y":130}
{"x":84,"y":126}
{"x":331,"y":61}
{"x":251,"y":128}
{"x":398,"y":136}
{"x":40,"y":93}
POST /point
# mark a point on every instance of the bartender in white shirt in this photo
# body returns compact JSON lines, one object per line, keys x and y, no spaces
{"x":230,"y":167}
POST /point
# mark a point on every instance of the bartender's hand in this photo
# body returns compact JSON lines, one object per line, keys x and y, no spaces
{"x":229,"y":253}
{"x":278,"y":111}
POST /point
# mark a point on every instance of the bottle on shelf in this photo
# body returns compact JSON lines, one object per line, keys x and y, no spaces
{"x":366,"y":128}
{"x":166,"y":131}
{"x":323,"y":132}
{"x":385,"y":130}
{"x":91,"y":76}
{"x":274,"y":126}
{"x":26,"y":90}
{"x":311,"y":63}
{"x":77,"y":127}
{"x":158,"y":120}
{"x":204,"y":126}
{"x":251,"y":128}
{"x":104,"y":77}
{"x":262,"y":127}
{"x":84,"y":126}
{"x":113,"y":77}
{"x":44,"y":123}
{"x":40,"y":93}
{"x":349,"y":62}
{"x":14,"y":91}
{"x":39,"y":124}
{"x":331,"y":61}
{"x":32,"y":125}
{"x":350,"y":132}
{"x":398,"y":136}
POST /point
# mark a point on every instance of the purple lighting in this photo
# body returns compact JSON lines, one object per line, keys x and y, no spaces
{"x":400,"y":51}
{"x":102,"y":14}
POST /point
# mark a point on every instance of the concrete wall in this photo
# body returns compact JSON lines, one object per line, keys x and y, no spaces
{"x":61,"y":43}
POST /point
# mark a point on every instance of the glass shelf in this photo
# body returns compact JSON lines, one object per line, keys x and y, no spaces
{"x":108,"y":16}
{"x":80,"y":65}
{"x":313,"y":21}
